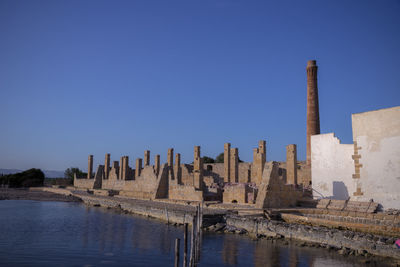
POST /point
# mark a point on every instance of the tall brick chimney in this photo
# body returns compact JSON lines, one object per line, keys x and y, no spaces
{"x":312,"y":105}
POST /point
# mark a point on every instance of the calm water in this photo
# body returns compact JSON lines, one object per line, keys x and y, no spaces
{"x":35,"y":233}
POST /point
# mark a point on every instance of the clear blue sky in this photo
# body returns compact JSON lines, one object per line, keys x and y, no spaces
{"x":91,"y":77}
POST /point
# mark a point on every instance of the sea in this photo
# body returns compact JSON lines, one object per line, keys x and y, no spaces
{"x":40,"y":233}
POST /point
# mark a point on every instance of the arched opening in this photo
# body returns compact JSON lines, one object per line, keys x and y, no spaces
{"x":234,"y":201}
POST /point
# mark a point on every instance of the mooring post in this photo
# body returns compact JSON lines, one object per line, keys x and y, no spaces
{"x":198,"y":235}
{"x":166,"y":214}
{"x":191,"y":260}
{"x":185,"y":232}
{"x":177,"y":241}
{"x":200,"y":228}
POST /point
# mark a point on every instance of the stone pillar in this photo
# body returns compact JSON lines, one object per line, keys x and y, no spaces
{"x":227,"y":162}
{"x":170,"y":157}
{"x":177,"y":168}
{"x":234,"y":161}
{"x":260,"y":163}
{"x":121,"y":167}
{"x":157,"y":164}
{"x":262,"y":148}
{"x":125,"y":167}
{"x":198,"y":169}
{"x":146,"y":158}
{"x":138,"y":171}
{"x":107,"y":166}
{"x":291,"y":164}
{"x":312,"y":105}
{"x":170,"y":162}
{"x":255,"y":152}
{"x":254,"y":165}
{"x":90,"y":167}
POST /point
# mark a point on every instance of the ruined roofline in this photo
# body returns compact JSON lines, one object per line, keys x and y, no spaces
{"x":334,"y":135}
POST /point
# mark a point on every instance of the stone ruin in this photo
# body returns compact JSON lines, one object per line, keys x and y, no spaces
{"x":259,"y":183}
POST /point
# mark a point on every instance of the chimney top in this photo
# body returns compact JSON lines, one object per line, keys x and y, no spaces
{"x":311,"y":63}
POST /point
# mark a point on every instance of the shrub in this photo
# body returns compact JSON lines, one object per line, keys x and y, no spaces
{"x":28,"y":178}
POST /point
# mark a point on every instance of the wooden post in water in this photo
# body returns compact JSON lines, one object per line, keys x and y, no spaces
{"x":185,"y":233}
{"x":191,"y":260}
{"x":200,"y":228}
{"x":177,"y":241}
{"x":166,"y":214}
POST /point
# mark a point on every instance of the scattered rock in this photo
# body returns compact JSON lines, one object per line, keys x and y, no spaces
{"x":219,"y":227}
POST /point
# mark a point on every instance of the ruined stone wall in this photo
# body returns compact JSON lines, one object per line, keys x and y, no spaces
{"x":184,"y":192}
{"x":113,"y":184}
{"x":147,"y":185}
{"x":273,"y":191}
{"x":93,"y":183}
{"x":239,"y":193}
{"x":303,"y":174}
{"x":244,"y":172}
{"x":187,"y":174}
{"x":84,"y":183}
{"x":215,"y":170}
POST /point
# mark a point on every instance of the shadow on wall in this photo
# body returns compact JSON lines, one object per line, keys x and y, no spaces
{"x":340,"y":191}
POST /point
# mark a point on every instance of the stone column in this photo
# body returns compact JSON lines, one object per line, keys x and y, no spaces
{"x":170,"y":157}
{"x":125,"y":167}
{"x":177,"y":168}
{"x":107,"y":166}
{"x":291,"y":164}
{"x":198,"y":168}
{"x":255,"y":152}
{"x":227,"y":162}
{"x":254,"y":165}
{"x":262,"y":148}
{"x":234,"y":161}
{"x":146,"y":158}
{"x":170,"y":162}
{"x":138,"y":171}
{"x":157,"y":164}
{"x":90,"y":167}
{"x":312,"y":105}
{"x":121,"y":167}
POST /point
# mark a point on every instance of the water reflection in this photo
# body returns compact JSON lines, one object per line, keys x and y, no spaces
{"x":71,"y":234}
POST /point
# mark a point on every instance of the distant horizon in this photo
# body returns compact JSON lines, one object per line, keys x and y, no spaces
{"x":97,"y":77}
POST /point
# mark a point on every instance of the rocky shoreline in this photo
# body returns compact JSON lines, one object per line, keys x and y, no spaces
{"x":345,"y":242}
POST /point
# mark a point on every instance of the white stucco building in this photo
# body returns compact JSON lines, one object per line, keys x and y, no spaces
{"x":367,"y":169}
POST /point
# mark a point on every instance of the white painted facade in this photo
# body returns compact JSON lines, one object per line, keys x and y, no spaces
{"x":332,"y":167}
{"x":377,"y":136}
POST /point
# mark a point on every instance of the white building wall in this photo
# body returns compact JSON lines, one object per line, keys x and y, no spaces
{"x":332,"y":167}
{"x":377,"y":134}
{"x":377,"y":138}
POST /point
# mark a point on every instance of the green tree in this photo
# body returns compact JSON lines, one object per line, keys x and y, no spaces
{"x":208,"y":160}
{"x":220,"y":158}
{"x":69,"y":173}
{"x":28,"y":178}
